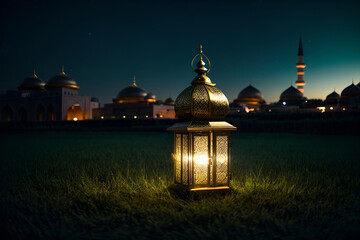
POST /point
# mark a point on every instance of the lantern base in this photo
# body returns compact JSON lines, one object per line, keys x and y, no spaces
{"x":183,"y":192}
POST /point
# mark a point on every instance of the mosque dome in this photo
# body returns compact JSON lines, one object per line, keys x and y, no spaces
{"x":169,"y":101}
{"x":62,"y":81}
{"x":351,"y":91}
{"x":131,"y":94}
{"x":250,"y":95}
{"x":202,"y":100}
{"x":333,"y":96}
{"x":32,"y":83}
{"x":94,"y":99}
{"x":150,"y":96}
{"x":291,"y":94}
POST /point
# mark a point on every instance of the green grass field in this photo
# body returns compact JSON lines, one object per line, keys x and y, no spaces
{"x":113,"y":185}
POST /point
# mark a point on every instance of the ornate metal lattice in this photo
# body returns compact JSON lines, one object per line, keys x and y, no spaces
{"x":219,"y":102}
{"x":183,"y":102}
{"x":201,"y":160}
{"x":178,"y":158}
{"x":185,"y":160}
{"x":201,"y":102}
{"x":221,"y":160}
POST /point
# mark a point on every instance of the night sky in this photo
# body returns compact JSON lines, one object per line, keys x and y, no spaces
{"x":103,"y":44}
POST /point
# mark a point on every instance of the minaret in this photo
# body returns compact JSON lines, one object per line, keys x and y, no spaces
{"x":300,"y":83}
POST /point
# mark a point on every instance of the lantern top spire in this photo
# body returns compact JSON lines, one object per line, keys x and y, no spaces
{"x":201,"y":70}
{"x":202,"y":100}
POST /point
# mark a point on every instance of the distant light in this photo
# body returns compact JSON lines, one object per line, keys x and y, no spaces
{"x":135,"y":116}
{"x":322,"y":109}
{"x":331,"y":108}
{"x":344,"y":109}
{"x":284,"y":103}
{"x":161,"y":116}
{"x":102,"y":117}
{"x":251,"y":109}
{"x":146,"y":116}
{"x":306,"y":101}
{"x":124,"y":116}
{"x":246,"y":109}
{"x":269,"y":110}
{"x":75,"y":119}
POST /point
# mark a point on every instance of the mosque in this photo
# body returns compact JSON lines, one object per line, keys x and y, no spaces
{"x":134,"y":102}
{"x":35,"y":100}
{"x":250,"y":99}
{"x":58,"y":99}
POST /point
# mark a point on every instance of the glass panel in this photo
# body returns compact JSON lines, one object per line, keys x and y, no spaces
{"x":221,"y":160}
{"x":201,"y":160}
{"x":178,"y":158}
{"x":185,"y":161}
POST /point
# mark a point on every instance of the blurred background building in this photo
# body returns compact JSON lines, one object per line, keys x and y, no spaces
{"x":35,"y":100}
{"x":135,"y":102}
{"x":58,"y":99}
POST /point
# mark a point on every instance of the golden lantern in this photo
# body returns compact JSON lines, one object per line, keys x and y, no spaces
{"x":201,"y":138}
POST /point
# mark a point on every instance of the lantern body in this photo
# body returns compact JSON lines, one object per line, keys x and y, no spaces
{"x":202,"y":154}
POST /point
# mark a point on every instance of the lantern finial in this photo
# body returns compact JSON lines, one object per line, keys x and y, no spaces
{"x":201,"y":70}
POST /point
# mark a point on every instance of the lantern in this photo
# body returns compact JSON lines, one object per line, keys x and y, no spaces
{"x":201,"y":139}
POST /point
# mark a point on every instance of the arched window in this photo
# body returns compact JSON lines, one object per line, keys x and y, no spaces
{"x":50,"y":113}
{"x":74,"y":113}
{"x":7,"y":114}
{"x":40,"y":113}
{"x":22,"y":117}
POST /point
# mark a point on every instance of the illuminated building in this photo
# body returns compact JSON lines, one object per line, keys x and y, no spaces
{"x":35,"y":100}
{"x":331,"y":102}
{"x":291,"y":96}
{"x":249,"y":99}
{"x":350,"y":97}
{"x":134,"y":94}
{"x":169,"y":101}
{"x":300,"y":65}
{"x":135,"y":102}
{"x":332,"y":99}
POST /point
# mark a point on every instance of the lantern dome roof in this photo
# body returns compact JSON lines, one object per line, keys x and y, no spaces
{"x":291,"y":94}
{"x":351,"y":91}
{"x":32,"y":83}
{"x":333,"y":95}
{"x":169,"y":101}
{"x":61,"y":81}
{"x":250,"y":95}
{"x":202,"y":100}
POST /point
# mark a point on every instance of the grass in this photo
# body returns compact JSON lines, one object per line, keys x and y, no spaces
{"x":113,"y":185}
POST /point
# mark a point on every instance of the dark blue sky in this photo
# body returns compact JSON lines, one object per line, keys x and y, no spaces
{"x":104,"y":43}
